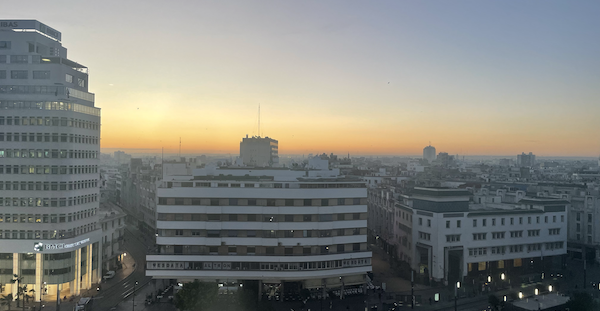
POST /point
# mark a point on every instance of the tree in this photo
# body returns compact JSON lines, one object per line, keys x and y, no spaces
{"x":581,"y":301}
{"x":197,"y":296}
{"x":496,"y":303}
{"x":18,"y":280}
{"x":6,"y":300}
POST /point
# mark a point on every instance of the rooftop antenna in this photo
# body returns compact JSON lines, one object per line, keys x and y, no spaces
{"x":180,"y":147}
{"x":258,"y":119}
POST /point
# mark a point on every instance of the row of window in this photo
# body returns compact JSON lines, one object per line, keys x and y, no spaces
{"x":204,"y":184}
{"x":512,"y":220}
{"x":480,"y":251}
{"x":262,"y":233}
{"x":493,"y":221}
{"x":24,"y":74}
{"x":46,"y":202}
{"x":260,"y":217}
{"x":48,"y":154}
{"x":48,"y":186}
{"x":212,"y":265}
{"x":262,"y":250}
{"x":50,"y":121}
{"x":48,"y":169}
{"x":45,"y":234}
{"x":49,"y":138}
{"x":261,"y":202}
{"x":50,"y":105}
{"x":46,"y":218}
{"x":514,"y":234}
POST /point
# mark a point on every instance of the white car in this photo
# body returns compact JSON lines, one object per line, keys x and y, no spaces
{"x":109,"y":275}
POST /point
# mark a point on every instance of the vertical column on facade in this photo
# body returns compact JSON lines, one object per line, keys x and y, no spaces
{"x":98,"y":275}
{"x":39,"y":276}
{"x":77,"y":287}
{"x":260,"y":290}
{"x":16,"y":271}
{"x":89,"y":266}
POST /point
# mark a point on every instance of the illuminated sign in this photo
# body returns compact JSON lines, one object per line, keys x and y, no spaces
{"x":39,"y":246}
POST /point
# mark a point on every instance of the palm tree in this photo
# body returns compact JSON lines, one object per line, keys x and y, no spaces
{"x":18,"y":280}
{"x":6,"y":300}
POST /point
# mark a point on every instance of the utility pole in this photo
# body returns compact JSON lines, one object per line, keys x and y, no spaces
{"x":412,"y":288}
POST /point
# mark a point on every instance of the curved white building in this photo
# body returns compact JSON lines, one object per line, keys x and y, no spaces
{"x":289,"y":229}
{"x":49,"y":148}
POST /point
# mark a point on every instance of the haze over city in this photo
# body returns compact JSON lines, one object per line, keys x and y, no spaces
{"x":475,"y":78}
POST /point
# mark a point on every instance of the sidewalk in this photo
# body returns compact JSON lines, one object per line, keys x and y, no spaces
{"x":49,"y":304}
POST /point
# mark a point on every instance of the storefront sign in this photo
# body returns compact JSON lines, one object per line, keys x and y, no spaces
{"x":39,"y":246}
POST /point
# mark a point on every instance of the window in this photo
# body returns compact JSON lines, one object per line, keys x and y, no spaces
{"x":80,"y":82}
{"x":420,"y":221}
{"x":41,"y":74}
{"x":533,"y":232}
{"x":512,"y":221}
{"x":5,"y":45}
{"x":453,"y":238}
{"x":19,"y":59}
{"x":479,"y":236}
{"x":493,"y":221}
{"x":429,"y":223}
{"x":555,"y":231}
{"x":516,"y":234}
{"x":474,"y":222}
{"x":502,"y":221}
{"x":447,"y":223}
{"x":69,"y":78}
{"x":497,"y":235}
{"x":18,"y":74}
{"x":458,"y":224}
{"x":178,"y":232}
{"x":520,"y":220}
{"x":484,"y":222}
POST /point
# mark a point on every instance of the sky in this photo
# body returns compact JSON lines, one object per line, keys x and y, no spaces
{"x":364,"y":77}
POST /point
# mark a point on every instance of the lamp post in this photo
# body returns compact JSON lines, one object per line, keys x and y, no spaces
{"x":456,"y":296}
{"x":133,"y":298}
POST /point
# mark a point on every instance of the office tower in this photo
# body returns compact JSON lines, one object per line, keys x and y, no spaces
{"x":49,"y":150}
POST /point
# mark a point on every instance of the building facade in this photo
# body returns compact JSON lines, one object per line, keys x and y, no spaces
{"x":286,"y":229}
{"x":259,"y":151}
{"x":49,"y":149}
{"x":455,"y":239}
{"x":429,"y":153}
{"x":526,"y":160}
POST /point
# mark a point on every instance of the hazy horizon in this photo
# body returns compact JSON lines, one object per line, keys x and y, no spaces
{"x":347,"y":76}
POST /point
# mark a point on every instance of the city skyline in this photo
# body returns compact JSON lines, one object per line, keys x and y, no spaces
{"x":473,"y":78}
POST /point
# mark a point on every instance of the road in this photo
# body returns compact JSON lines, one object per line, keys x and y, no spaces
{"x":124,"y":289}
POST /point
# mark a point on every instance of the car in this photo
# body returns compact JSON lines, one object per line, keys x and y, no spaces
{"x":109,"y":275}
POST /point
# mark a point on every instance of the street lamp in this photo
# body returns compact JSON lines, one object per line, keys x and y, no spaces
{"x":520,"y":295}
{"x":489,"y":279}
{"x":536,"y":291}
{"x":502,"y":276}
{"x":133,"y":299}
{"x":456,"y":296}
{"x":550,"y":288}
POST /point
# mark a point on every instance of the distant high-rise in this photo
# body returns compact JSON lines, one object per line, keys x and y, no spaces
{"x":49,"y":157}
{"x":259,"y":151}
{"x":429,"y":153}
{"x":526,"y":160}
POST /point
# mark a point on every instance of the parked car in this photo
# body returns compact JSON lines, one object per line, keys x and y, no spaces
{"x":109,"y":275}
